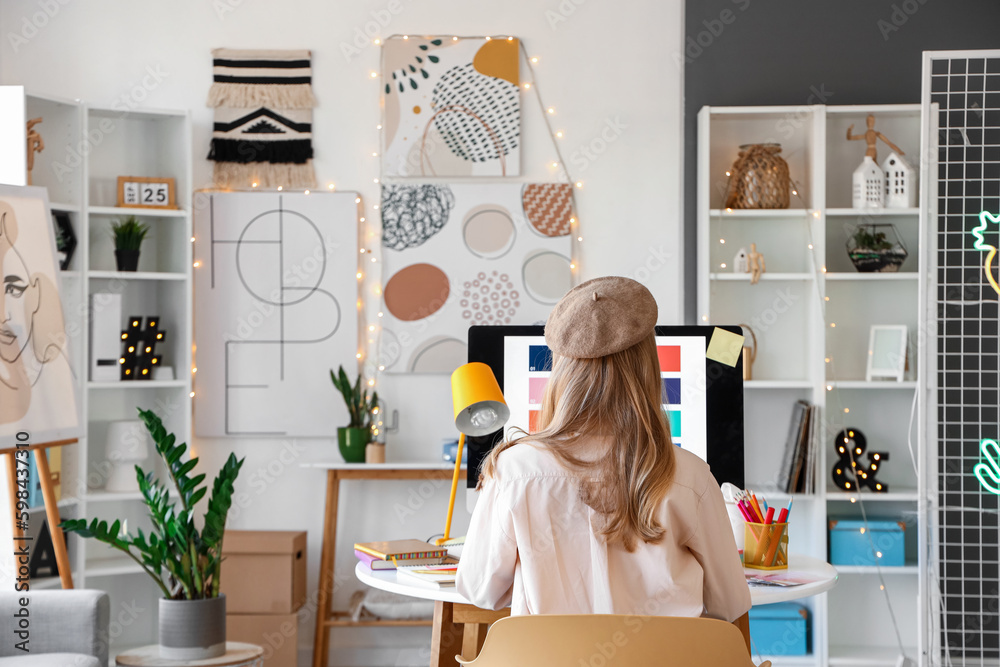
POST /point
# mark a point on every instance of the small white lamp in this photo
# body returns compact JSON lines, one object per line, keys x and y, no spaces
{"x":126,"y":445}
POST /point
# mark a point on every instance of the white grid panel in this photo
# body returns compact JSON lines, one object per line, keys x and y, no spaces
{"x":966,"y":86}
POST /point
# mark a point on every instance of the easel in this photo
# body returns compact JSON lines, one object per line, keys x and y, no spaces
{"x":49,"y":496}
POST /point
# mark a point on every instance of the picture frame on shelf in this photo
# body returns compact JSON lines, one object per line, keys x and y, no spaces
{"x":886,"y":352}
{"x":146,"y":192}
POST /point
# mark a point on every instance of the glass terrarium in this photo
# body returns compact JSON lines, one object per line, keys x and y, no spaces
{"x":876,"y":247}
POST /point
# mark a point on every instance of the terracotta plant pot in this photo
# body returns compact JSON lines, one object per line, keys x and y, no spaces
{"x":127,"y":260}
{"x":352,"y":442}
{"x":192,"y":629}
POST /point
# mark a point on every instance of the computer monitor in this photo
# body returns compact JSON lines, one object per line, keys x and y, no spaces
{"x":703,"y":398}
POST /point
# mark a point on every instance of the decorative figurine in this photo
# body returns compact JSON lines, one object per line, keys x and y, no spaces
{"x":869,"y":181}
{"x":755,"y":264}
{"x":871,"y":137}
{"x":35,"y":144}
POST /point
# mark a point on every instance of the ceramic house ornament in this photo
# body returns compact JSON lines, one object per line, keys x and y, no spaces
{"x":869,"y":180}
{"x":741,"y":262}
{"x":900,"y":182}
{"x":869,"y":185}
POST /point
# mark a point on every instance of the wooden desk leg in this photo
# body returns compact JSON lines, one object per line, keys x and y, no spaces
{"x":473,"y":636}
{"x":743,"y":624}
{"x":324,"y":602}
{"x":52,"y":514}
{"x":446,"y":641}
{"x":12,"y":487}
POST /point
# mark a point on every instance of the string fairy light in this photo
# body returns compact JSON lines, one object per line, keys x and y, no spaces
{"x":559,"y":165}
{"x":831,"y":374}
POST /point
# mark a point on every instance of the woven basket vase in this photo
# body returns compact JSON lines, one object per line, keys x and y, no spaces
{"x":759,"y":178}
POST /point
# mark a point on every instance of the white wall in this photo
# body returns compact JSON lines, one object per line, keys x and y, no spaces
{"x":606,"y":67}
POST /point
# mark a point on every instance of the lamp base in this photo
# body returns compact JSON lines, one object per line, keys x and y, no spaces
{"x":122,"y":479}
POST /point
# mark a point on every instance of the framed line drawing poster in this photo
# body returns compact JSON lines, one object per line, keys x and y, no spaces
{"x":37,"y":387}
{"x":275,"y":309}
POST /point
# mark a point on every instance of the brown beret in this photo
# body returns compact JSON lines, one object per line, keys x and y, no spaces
{"x":600,"y":317}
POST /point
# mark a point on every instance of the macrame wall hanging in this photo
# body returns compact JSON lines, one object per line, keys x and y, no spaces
{"x":263,"y":105}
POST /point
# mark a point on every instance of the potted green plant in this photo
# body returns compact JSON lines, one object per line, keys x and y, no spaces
{"x":354,"y":437}
{"x":184,"y":562}
{"x":876,"y":247}
{"x":128,"y":235}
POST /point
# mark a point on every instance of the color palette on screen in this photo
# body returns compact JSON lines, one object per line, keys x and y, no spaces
{"x":670,"y":367}
{"x":539,"y":359}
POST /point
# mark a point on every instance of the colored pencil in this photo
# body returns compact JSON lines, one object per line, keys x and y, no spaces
{"x":770,"y":516}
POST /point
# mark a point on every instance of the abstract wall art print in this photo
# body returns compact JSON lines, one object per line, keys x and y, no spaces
{"x":275,"y":308}
{"x":37,"y":386}
{"x":466,"y":254}
{"x":452,"y":106}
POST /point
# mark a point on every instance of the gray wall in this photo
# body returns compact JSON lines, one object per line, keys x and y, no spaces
{"x":765,"y":52}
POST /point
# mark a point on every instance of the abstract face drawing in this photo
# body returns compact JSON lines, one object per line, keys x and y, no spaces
{"x":31,"y":327}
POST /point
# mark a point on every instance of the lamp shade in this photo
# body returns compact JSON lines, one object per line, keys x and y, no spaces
{"x":479,"y":405}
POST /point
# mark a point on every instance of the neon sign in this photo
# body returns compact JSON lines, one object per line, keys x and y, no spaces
{"x":980,"y":244}
{"x":989,"y":473}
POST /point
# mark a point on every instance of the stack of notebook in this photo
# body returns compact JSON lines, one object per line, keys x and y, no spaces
{"x":421,"y":562}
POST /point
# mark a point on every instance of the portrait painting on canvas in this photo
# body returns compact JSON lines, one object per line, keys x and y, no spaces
{"x":37,"y":388}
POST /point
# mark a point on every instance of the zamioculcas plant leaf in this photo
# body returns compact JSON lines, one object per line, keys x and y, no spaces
{"x":184,"y":562}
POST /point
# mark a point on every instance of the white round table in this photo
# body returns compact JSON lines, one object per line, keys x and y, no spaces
{"x":814,"y":567}
{"x":460,"y":627}
{"x":238,"y":654}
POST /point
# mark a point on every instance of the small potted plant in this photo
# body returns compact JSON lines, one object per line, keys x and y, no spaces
{"x":128,"y":235}
{"x":183,"y":561}
{"x":872,"y":249}
{"x":354,"y":438}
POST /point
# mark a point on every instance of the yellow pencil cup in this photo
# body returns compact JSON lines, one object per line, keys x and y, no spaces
{"x":765,"y":546}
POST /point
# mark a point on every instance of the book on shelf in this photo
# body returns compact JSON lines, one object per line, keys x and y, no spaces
{"x":798,"y":473}
{"x":35,"y":498}
{"x":431,"y":576}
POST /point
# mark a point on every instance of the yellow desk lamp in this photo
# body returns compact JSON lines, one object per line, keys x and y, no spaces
{"x":479,"y":410}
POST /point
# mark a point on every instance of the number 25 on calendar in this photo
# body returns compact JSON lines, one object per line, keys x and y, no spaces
{"x":142,"y":192}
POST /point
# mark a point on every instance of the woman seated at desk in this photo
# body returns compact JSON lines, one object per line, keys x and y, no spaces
{"x":598,"y":512}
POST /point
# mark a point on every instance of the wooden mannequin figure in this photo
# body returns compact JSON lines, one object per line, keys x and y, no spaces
{"x":756,"y":265}
{"x":35,"y":144}
{"x":871,"y":136}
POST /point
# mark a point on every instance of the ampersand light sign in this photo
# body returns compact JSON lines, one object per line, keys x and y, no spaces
{"x":988,"y":473}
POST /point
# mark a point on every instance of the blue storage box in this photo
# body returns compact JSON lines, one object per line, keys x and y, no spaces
{"x":782,"y":628}
{"x":851,"y":543}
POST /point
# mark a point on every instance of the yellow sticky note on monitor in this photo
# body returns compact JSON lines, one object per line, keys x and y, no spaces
{"x":725,"y":347}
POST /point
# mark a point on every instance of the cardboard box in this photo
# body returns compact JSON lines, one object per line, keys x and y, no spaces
{"x":277,"y":634}
{"x":264,"y":571}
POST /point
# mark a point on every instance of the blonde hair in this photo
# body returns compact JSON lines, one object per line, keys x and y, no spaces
{"x":619,"y":396}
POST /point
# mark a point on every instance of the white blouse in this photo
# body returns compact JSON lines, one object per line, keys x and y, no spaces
{"x":534,"y":545}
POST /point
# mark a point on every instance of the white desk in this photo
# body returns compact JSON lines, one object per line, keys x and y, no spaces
{"x":455,"y":617}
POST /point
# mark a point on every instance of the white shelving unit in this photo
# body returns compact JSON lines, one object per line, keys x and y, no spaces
{"x":811,"y":313}
{"x":87,"y":148}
